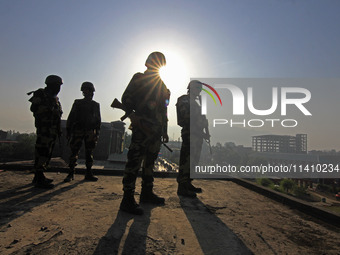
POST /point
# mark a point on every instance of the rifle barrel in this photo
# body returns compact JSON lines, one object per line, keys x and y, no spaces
{"x":166,"y":146}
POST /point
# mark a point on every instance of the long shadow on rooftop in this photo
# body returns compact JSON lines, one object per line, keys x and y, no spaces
{"x":14,"y":192}
{"x":212,"y":234}
{"x":128,"y":237}
{"x":25,"y":198}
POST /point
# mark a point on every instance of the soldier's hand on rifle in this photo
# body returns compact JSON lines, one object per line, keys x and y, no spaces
{"x":165,"y":138}
{"x":135,"y":120}
{"x":96,"y":137}
{"x":206,"y":136}
{"x":68,"y":134}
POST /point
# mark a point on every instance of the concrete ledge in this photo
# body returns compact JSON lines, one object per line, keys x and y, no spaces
{"x":111,"y":172}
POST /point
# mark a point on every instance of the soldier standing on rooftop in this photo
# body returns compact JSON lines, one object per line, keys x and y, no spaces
{"x":47,"y":113}
{"x":146,"y":99}
{"x":83,"y":123}
{"x":188,"y":109}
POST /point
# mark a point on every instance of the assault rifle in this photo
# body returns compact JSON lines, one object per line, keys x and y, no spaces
{"x":208,"y":139}
{"x":117,"y":104}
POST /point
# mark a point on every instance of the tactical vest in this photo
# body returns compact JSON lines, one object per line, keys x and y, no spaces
{"x":148,"y":96}
{"x":46,"y":110}
{"x":84,"y":115}
{"x":183,"y":111}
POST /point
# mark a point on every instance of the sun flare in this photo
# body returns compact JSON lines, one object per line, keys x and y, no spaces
{"x":175,"y":74}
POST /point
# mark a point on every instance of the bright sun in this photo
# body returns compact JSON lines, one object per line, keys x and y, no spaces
{"x":175,"y":74}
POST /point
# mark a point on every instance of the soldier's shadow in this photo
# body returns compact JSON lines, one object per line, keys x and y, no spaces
{"x":127,"y":234}
{"x":15,"y":191}
{"x":25,"y":198}
{"x":211,"y":232}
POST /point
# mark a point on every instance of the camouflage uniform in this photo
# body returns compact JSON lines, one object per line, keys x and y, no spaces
{"x":148,"y":97}
{"x":47,"y":114}
{"x":83,"y":123}
{"x":191,"y":142}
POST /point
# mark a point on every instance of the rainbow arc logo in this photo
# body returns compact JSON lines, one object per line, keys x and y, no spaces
{"x":210,"y":94}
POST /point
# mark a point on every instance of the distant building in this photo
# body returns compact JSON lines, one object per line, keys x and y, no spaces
{"x":280,"y":143}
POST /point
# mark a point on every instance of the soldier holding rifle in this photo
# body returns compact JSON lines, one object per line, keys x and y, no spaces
{"x":188,"y":109}
{"x":47,"y":113}
{"x":145,"y":101}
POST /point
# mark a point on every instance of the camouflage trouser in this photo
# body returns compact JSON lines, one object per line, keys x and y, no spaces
{"x":46,"y":137}
{"x":189,"y":156}
{"x":90,"y":140}
{"x":143,"y":152}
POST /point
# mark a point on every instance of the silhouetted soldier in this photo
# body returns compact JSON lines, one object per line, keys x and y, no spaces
{"x":188,"y":109}
{"x":47,"y":112}
{"x":146,"y":99}
{"x":83,"y":124}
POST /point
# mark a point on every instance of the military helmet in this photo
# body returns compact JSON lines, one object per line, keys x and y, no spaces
{"x":194,"y":84}
{"x":87,"y":85}
{"x":53,"y":80}
{"x":155,"y":60}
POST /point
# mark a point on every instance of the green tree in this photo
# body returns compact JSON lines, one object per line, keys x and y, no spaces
{"x":287,"y":184}
{"x":21,"y":149}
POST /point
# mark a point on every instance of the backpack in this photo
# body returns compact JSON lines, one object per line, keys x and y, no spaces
{"x":183,"y":110}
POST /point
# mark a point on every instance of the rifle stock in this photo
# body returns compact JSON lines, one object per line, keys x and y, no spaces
{"x":117,"y":104}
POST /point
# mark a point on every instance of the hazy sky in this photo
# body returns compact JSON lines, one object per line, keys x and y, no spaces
{"x":106,"y":42}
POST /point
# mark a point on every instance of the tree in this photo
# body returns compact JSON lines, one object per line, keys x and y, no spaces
{"x":20,"y":149}
{"x":287,"y":184}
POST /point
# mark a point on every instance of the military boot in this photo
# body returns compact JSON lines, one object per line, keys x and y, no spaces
{"x":184,"y":190}
{"x":35,"y":178}
{"x":70,"y":175}
{"x":194,"y":189}
{"x":147,"y":196}
{"x":89,"y":175}
{"x":41,"y":181}
{"x":129,"y":204}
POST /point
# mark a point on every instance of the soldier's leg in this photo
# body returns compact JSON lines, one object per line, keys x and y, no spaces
{"x":43,"y":147}
{"x":195,"y":154}
{"x":195,"y":150}
{"x":134,"y":160}
{"x":53,"y":131}
{"x":90,"y":143}
{"x":184,"y":160}
{"x":183,"y":177}
{"x":147,"y":194}
{"x":75,"y":145}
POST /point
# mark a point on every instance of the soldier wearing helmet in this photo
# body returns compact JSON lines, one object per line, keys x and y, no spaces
{"x":47,"y":113}
{"x":83,"y":124}
{"x":146,"y":99}
{"x":189,"y":109}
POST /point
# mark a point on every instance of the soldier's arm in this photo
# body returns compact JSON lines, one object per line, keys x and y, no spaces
{"x":59,"y":113}
{"x":71,"y":119}
{"x":39,"y":107}
{"x":184,"y":110}
{"x":128,"y":98}
{"x":206,"y":133}
{"x":98,"y":119}
{"x":167,"y":94}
